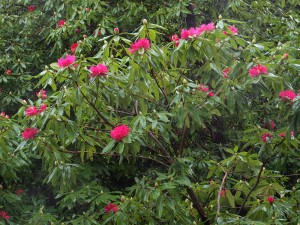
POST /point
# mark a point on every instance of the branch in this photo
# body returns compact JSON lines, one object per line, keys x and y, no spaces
{"x":198,"y":206}
{"x":93,"y":106}
{"x":258,"y":179}
{"x":182,"y":141}
{"x":219,"y":195}
{"x":165,"y":152}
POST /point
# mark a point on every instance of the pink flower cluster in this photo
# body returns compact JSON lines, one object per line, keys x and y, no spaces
{"x":4,"y":215}
{"x":232,"y":29}
{"x":61,"y":23}
{"x":120,"y":132}
{"x":226,"y":72}
{"x":292,"y":133}
{"x":66,"y":62}
{"x":257,"y":70}
{"x":140,"y":44}
{"x":3,"y":114}
{"x":270,"y":124}
{"x":266,"y":137}
{"x":98,"y":70}
{"x":31,"y":8}
{"x":32,"y":110}
{"x":73,"y":47}
{"x":41,"y":94}
{"x":196,"y":32}
{"x":19,"y":191}
{"x":111,"y":207}
{"x":287,"y":95}
{"x":29,"y":133}
{"x":203,"y":88}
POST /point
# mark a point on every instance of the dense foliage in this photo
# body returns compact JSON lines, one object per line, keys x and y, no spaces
{"x":130,"y":112}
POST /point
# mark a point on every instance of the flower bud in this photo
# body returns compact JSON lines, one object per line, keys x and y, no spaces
{"x":87,"y":9}
{"x":285,"y":56}
{"x":144,"y":21}
{"x":220,"y":17}
{"x":122,"y":198}
{"x":116,"y":30}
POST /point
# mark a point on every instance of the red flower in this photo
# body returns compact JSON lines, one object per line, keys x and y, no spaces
{"x":202,"y":88}
{"x":77,"y":30}
{"x":66,"y":62}
{"x":196,"y":32}
{"x":285,"y":56}
{"x":210,"y":94}
{"x":73,"y":47}
{"x":233,"y":30}
{"x":226,"y":72}
{"x":292,"y":133}
{"x":43,"y":107}
{"x":271,"y":199}
{"x":61,"y":23}
{"x":175,"y":39}
{"x":266,"y":137}
{"x":31,"y":8}
{"x":99,"y":70}
{"x":4,"y":215}
{"x":270,"y":124}
{"x":31,"y":111}
{"x":19,"y":191}
{"x":140,"y":44}
{"x":223,"y":192}
{"x":2,"y":114}
{"x":120,"y":132}
{"x":41,"y":94}
{"x":287,"y":95}
{"x":29,"y":133}
{"x":8,"y":72}
{"x":257,"y":70}
{"x":111,"y":207}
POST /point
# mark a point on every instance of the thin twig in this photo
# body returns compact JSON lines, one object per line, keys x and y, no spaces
{"x":219,"y":195}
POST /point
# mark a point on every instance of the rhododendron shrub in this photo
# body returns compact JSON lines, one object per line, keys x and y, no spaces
{"x":164,"y":139}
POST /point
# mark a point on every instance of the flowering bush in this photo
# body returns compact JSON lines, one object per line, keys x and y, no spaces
{"x":196,"y":148}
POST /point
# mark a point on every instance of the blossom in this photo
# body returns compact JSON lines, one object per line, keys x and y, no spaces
{"x":292,"y":133}
{"x":226,"y":72}
{"x":4,"y":215}
{"x":257,"y":70}
{"x":31,"y":8}
{"x":8,"y":72}
{"x":116,"y":30}
{"x":29,"y":133}
{"x":99,"y":70}
{"x":287,"y":95}
{"x":2,"y":114}
{"x":73,"y":47}
{"x":77,"y":30}
{"x":31,"y":111}
{"x":196,"y":32}
{"x":41,"y":94}
{"x":140,"y":44}
{"x":175,"y":39}
{"x":61,"y":23}
{"x":120,"y":132}
{"x":19,"y":191}
{"x":223,"y":192}
{"x":270,"y":124}
{"x":202,"y":88}
{"x":233,"y":30}
{"x":266,"y":137}
{"x":66,"y":62}
{"x":271,"y":199}
{"x":43,"y":107}
{"x":111,"y":207}
{"x":285,"y":56}
{"x":210,"y":94}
